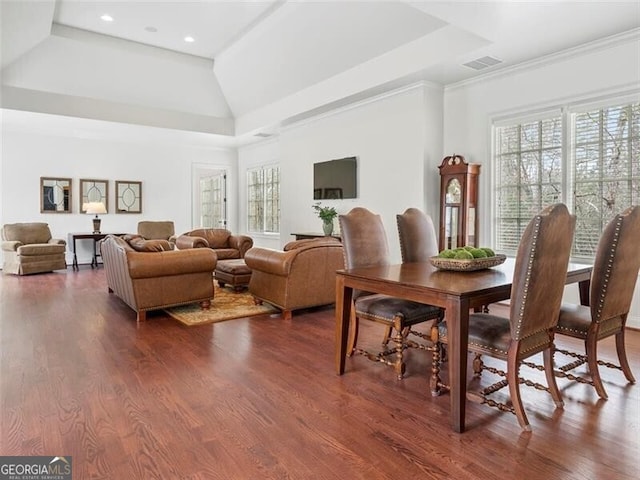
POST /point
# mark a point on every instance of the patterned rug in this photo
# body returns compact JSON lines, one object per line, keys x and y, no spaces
{"x":226,"y":305}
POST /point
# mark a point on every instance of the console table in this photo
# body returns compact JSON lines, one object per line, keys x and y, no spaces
{"x":96,"y":237}
{"x":305,"y":236}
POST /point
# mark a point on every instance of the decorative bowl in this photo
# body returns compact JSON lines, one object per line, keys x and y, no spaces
{"x":459,"y":265}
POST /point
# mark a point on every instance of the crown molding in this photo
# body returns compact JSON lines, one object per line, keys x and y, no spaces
{"x":591,"y":47}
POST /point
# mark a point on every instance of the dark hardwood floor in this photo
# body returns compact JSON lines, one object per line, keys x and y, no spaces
{"x":259,"y":398}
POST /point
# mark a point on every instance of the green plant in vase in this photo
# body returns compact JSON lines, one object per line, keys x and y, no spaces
{"x":326,"y":214}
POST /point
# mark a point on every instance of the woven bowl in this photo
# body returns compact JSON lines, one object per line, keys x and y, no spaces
{"x":467,"y":265}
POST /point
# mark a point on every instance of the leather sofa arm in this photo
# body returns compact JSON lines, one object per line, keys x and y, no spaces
{"x":11,"y":245}
{"x":174,"y":262}
{"x":242,"y":243}
{"x":184,"y":242}
{"x":320,"y":241}
{"x":269,"y":260}
{"x":57,"y":241}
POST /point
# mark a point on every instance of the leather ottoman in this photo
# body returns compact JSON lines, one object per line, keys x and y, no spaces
{"x":233,"y":272}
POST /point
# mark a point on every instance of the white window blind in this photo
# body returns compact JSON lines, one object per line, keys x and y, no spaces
{"x":263,"y":200}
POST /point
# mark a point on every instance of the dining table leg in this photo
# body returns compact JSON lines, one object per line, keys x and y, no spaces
{"x":584,"y":287}
{"x":457,"y":317}
{"x":343,"y":317}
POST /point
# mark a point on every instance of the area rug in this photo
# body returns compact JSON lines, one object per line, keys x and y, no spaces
{"x":226,"y":305}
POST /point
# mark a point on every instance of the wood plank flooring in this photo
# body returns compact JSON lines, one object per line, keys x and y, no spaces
{"x":258,"y":398}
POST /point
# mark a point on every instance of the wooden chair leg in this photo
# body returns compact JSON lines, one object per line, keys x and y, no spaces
{"x":387,"y":336}
{"x":477,"y":365}
{"x":435,"y":381}
{"x":399,"y":365}
{"x":514,"y":391}
{"x":353,"y":332}
{"x":591,"y":348}
{"x":622,"y":356}
{"x":547,"y":357}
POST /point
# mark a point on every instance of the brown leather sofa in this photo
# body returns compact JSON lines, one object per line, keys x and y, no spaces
{"x":301,"y":276}
{"x":28,"y":248}
{"x":222,"y":241}
{"x":149,"y":275}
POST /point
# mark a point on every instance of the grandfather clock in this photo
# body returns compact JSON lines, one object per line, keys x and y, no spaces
{"x":458,"y":202}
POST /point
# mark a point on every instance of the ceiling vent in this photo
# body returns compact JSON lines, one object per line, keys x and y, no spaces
{"x":482,"y":63}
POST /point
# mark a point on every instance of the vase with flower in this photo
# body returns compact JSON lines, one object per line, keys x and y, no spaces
{"x":326,"y":214}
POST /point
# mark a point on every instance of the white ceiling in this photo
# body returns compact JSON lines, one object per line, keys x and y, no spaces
{"x":270,"y":61}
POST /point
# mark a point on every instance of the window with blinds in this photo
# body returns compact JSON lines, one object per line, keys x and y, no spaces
{"x":605,"y":154}
{"x":595,"y":171}
{"x":529,"y":175}
{"x":263,"y":200}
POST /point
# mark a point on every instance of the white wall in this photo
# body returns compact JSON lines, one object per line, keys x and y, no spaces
{"x":588,"y":74}
{"x":164,"y":169}
{"x":388,"y":135}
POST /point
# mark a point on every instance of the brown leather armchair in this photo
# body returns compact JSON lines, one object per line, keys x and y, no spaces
{"x":301,"y":276}
{"x":28,"y":248}
{"x":149,"y":275}
{"x":222,"y":241}
{"x":157,"y":230}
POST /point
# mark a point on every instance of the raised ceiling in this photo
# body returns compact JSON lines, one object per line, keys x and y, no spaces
{"x":255,"y":65}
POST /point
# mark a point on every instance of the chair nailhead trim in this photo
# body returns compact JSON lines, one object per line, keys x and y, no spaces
{"x":607,"y":274}
{"x":525,"y":290}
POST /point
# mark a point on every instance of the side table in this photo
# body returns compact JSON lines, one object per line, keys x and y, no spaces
{"x":310,"y":235}
{"x":96,"y":237}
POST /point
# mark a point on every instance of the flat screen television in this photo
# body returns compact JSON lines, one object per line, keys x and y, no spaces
{"x":335,"y":179}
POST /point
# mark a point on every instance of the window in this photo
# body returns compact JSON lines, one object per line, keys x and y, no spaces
{"x":263,"y":200}
{"x":595,"y":170}
{"x":529,"y":175}
{"x":605,"y":169}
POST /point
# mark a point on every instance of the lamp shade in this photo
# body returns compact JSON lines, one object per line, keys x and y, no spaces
{"x":94,"y":208}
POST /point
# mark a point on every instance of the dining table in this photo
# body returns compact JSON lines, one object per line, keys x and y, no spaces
{"x":455,"y":291}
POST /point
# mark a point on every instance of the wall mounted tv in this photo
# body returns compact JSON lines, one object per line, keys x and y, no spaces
{"x":335,"y":179}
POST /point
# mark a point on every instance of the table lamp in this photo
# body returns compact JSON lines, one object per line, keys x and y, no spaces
{"x":95,"y":208}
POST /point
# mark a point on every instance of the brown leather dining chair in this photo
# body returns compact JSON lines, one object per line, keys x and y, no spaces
{"x":365,"y":244}
{"x":418,"y":242}
{"x":613,"y":279}
{"x":536,"y":294}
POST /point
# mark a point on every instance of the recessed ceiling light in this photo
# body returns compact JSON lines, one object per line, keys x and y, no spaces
{"x":189,"y":39}
{"x":151,"y":29}
{"x":107,"y":18}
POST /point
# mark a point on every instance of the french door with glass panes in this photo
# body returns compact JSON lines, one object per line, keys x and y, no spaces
{"x":211,"y":207}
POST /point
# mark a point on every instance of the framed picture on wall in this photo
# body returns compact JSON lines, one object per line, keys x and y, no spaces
{"x":93,"y":191}
{"x":128,"y":196}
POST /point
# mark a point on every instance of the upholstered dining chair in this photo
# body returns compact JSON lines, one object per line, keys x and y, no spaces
{"x":365,"y":244}
{"x":613,"y":279}
{"x":418,"y":242}
{"x":536,"y":294}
